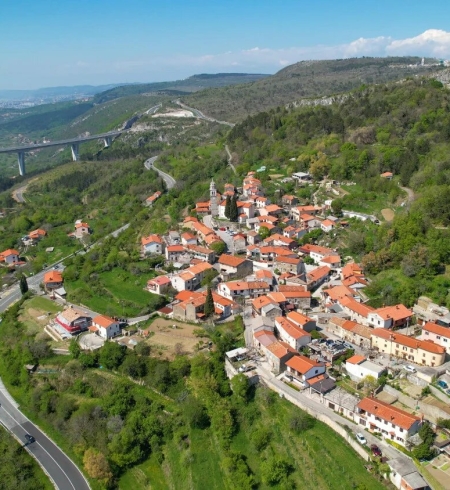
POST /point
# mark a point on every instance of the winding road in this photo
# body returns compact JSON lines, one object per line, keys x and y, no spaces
{"x":168,"y":179}
{"x":61,"y":470}
{"x":199,"y":114}
{"x":230,"y":159}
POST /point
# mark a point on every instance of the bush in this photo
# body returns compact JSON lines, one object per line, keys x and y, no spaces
{"x":261,"y":438}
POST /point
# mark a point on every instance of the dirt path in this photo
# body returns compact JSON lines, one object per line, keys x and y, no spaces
{"x":230,"y":159}
{"x":410,"y":192}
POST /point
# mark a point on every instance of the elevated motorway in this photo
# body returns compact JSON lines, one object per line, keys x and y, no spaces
{"x":73,"y":142}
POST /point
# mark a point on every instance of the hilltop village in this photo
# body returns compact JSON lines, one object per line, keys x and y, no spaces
{"x":309,"y":333}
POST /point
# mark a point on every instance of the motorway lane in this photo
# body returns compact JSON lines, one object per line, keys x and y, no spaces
{"x":62,"y":470}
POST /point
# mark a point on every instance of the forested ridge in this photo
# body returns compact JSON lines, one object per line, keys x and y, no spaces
{"x":403,"y":128}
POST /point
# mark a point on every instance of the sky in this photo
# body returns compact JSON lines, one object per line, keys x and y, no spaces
{"x":47,"y":43}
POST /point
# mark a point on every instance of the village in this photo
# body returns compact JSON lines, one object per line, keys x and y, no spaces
{"x":307,"y":325}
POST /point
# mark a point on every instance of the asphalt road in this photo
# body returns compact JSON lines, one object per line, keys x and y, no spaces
{"x":18,"y":193}
{"x":168,"y":179}
{"x":199,"y":114}
{"x":57,"y":465}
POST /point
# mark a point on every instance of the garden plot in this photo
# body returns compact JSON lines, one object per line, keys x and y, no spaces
{"x":167,"y":341}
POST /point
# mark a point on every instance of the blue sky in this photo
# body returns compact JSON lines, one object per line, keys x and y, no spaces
{"x":71,"y":42}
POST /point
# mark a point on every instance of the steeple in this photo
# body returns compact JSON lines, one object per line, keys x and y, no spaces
{"x":213,"y":199}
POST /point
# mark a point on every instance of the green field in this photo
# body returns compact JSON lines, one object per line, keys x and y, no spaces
{"x":320,"y":458}
{"x":116,"y":293}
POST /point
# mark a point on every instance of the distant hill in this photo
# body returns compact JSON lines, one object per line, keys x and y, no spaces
{"x":304,"y":79}
{"x":50,"y":94}
{"x":179,"y":87}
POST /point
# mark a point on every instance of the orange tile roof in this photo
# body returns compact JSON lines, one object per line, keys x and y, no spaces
{"x":345,"y":324}
{"x":37,"y":233}
{"x":388,"y":413}
{"x":353,"y":305}
{"x":295,"y":294}
{"x":337,"y":292}
{"x":291,"y":329}
{"x":386,"y":174}
{"x":277,"y":297}
{"x":231,"y":260}
{"x":297,"y":317}
{"x":103,"y":320}
{"x":303,"y":364}
{"x":81,"y":225}
{"x":188,"y":236}
{"x":399,"y":338}
{"x":199,"y":268}
{"x":242,"y":285}
{"x":331,"y":259}
{"x":351,"y":269}
{"x":175,"y":248}
{"x":145,"y":240}
{"x":160,"y":280}
{"x":308,"y":248}
{"x":276,"y":250}
{"x":288,"y":260}
{"x":10,"y":251}
{"x":272,"y":208}
{"x":318,"y":273}
{"x":437,"y":329}
{"x":397,"y":312}
{"x":328,"y":222}
{"x":356,"y":359}
{"x":258,"y":303}
{"x":280,"y":349}
{"x":263,"y":273}
{"x":292,"y":289}
{"x":199,"y":249}
{"x":53,"y":276}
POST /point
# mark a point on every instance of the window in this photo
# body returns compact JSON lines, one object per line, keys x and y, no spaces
{"x":377,"y":418}
{"x":410,"y":350}
{"x":426,"y":333}
{"x":401,"y":430}
{"x":423,"y":355}
{"x":445,"y":340}
{"x":434,"y":357}
{"x":393,"y":425}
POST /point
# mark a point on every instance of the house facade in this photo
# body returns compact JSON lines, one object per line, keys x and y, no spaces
{"x":422,"y":352}
{"x":390,"y":422}
{"x":107,"y":328}
{"x":437,"y":334}
{"x":290,"y":333}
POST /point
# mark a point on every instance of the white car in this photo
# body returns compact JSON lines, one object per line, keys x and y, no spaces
{"x":410,"y":369}
{"x":361,"y":439}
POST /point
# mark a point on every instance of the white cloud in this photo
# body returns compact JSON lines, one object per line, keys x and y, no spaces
{"x":433,"y":42}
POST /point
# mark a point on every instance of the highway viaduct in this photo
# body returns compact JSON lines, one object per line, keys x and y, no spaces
{"x":74,"y":145}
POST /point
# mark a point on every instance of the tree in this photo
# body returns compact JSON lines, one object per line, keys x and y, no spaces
{"x":209,"y":276}
{"x":74,"y":348}
{"x":264,"y":232}
{"x":275,"y":470}
{"x":97,"y":465}
{"x":218,"y":247}
{"x":234,"y":209}
{"x":209,"y":304}
{"x":112,"y":355}
{"x":240,"y":386}
{"x":228,"y":206}
{"x":23,"y":284}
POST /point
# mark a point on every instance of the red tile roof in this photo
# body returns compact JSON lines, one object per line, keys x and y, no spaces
{"x":388,"y":413}
{"x":303,"y":364}
{"x":437,"y":329}
{"x":103,"y":320}
{"x":356,"y":359}
{"x":231,"y":260}
{"x":291,"y":329}
{"x":399,"y":338}
{"x":52,"y":276}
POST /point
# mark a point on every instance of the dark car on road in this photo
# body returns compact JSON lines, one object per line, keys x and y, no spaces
{"x":376,"y":451}
{"x":29,"y":438}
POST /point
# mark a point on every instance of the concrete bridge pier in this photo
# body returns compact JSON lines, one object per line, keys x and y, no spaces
{"x":75,"y":151}
{"x":107,"y":140}
{"x":21,"y":161}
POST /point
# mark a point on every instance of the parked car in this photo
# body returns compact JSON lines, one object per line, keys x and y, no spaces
{"x":361,"y":439}
{"x":410,"y":369}
{"x":446,"y":391}
{"x":442,"y":384}
{"x":376,"y":451}
{"x":223,"y":228}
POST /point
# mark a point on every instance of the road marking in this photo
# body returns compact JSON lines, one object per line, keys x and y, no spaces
{"x":26,"y":432}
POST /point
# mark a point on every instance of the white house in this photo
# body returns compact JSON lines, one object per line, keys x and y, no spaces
{"x":388,"y":421}
{"x":404,"y":475}
{"x":152,"y":244}
{"x":107,"y":328}
{"x":159,"y":284}
{"x":358,"y":368}
{"x":243,"y":289}
{"x":304,"y":369}
{"x":439,"y":335}
{"x":302,"y":321}
{"x":290,"y":333}
{"x":9,"y":256}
